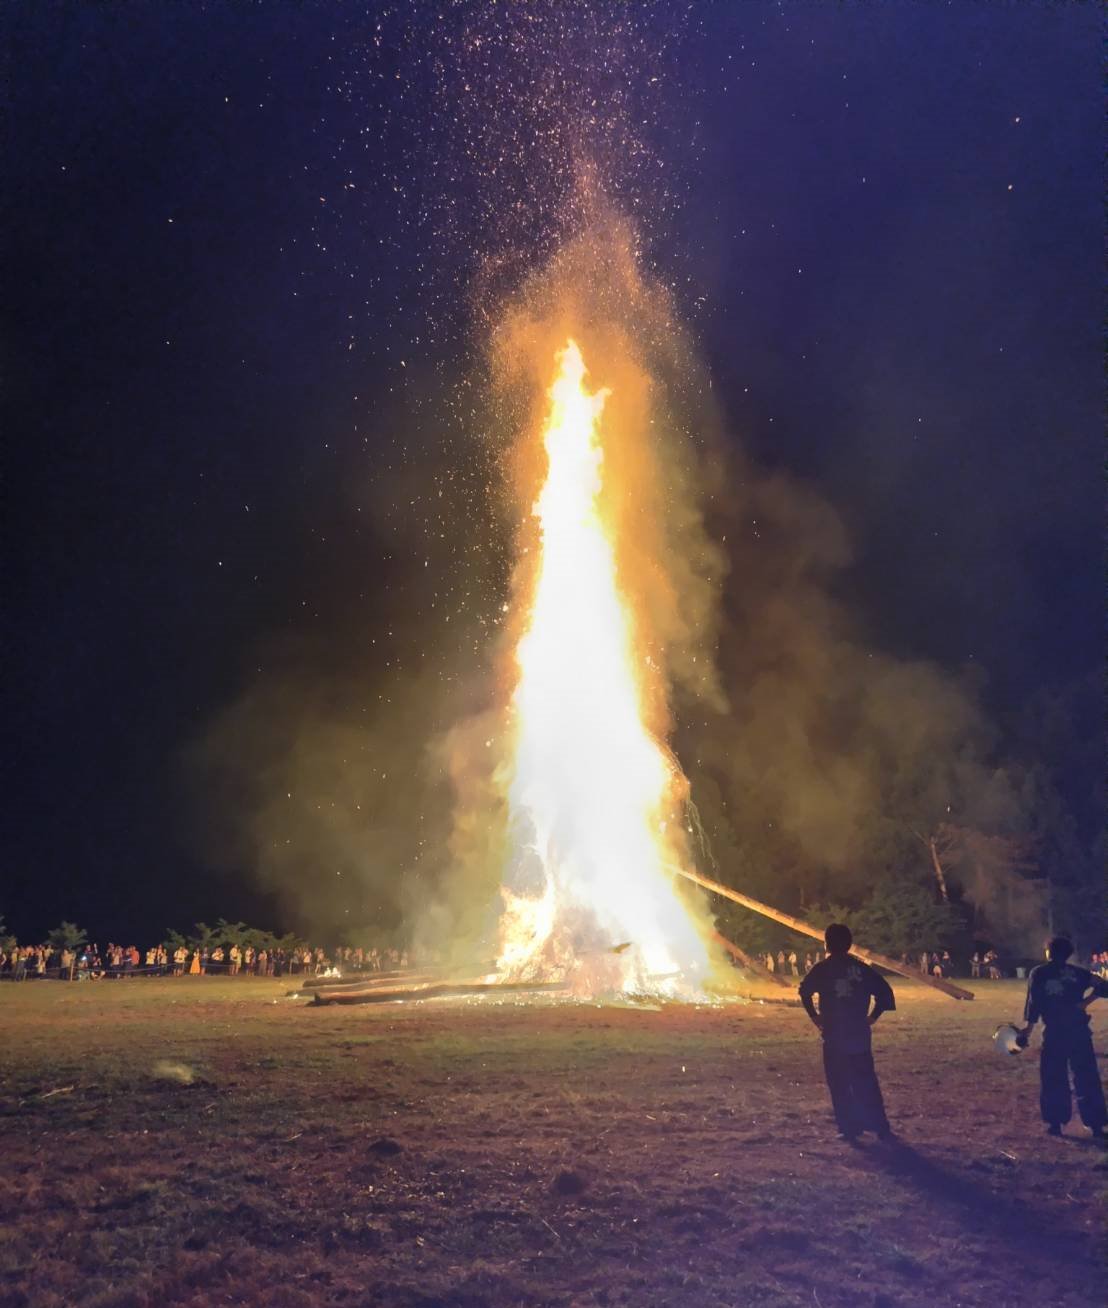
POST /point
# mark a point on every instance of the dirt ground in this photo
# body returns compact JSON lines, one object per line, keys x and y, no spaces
{"x":486,"y":1154}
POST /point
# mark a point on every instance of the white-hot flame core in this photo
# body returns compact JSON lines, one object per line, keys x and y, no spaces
{"x":591,"y":788}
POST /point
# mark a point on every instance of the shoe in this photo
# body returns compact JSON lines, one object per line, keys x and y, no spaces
{"x":851,"y":1137}
{"x":887,"y":1134}
{"x":1054,"y":1129}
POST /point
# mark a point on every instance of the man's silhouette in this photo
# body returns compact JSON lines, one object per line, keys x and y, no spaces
{"x":1058,"y":992}
{"x":845,"y":986}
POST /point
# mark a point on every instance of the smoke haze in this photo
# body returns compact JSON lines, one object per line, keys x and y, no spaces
{"x":361,"y":775}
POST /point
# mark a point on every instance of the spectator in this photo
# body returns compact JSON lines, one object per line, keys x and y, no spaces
{"x":1060,"y":994}
{"x":844,"y":987}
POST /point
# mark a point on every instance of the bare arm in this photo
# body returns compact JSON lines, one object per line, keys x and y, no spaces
{"x":807,"y":998}
{"x":1031,"y":1012}
{"x":884,"y":1001}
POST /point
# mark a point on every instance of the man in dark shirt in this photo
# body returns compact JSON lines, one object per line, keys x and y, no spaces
{"x":1058,"y":992}
{"x":845,"y":987}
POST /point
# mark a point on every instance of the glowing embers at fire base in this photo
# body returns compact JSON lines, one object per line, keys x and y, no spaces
{"x":592,"y":794}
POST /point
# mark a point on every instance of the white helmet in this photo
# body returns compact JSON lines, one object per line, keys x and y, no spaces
{"x":1009,"y":1039}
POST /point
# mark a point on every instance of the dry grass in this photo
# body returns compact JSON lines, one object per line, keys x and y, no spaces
{"x":224,"y":1145}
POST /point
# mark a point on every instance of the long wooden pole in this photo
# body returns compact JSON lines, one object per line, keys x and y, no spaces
{"x":939,"y":877}
{"x":806,"y":929}
{"x":751,"y":964}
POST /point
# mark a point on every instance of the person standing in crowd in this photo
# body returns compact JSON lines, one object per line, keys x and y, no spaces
{"x":844,"y":987}
{"x":1060,"y":993}
{"x":975,"y":964}
{"x":992,"y":962}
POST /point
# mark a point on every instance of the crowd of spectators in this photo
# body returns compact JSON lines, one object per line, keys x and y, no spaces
{"x":89,"y":962}
{"x":80,"y":961}
{"x":983,"y":963}
{"x":790,"y":962}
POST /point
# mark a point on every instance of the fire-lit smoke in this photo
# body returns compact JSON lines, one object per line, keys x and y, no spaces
{"x":379,"y":780}
{"x":387,"y":767}
{"x":570,"y":806}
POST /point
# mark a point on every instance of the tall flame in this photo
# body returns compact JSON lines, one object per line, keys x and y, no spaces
{"x":592,"y":794}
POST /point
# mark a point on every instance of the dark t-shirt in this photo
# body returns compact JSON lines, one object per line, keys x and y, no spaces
{"x":1055,"y":992}
{"x":845,"y":986}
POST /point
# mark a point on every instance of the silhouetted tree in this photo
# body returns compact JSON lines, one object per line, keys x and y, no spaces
{"x":67,"y":935}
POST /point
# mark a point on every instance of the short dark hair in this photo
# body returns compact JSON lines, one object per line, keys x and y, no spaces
{"x":1059,"y":949}
{"x":838,"y":938}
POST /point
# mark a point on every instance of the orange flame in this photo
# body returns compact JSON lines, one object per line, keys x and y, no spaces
{"x":592,"y":792}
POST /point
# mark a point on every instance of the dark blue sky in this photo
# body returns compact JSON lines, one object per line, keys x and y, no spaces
{"x":885,"y":228}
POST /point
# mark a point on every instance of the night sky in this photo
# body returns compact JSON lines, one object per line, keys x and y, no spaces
{"x":239,"y":254}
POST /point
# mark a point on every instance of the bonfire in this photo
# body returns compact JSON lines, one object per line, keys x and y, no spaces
{"x":594,"y":797}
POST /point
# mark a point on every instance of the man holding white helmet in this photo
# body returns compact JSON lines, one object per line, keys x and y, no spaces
{"x":1059,"y":993}
{"x":844,"y":987}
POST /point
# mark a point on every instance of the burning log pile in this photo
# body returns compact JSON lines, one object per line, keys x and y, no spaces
{"x":398,"y":990}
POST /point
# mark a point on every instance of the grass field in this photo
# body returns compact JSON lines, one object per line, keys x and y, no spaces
{"x":501,"y":1153}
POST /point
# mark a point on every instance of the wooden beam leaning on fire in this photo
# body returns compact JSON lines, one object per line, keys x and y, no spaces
{"x":806,"y":929}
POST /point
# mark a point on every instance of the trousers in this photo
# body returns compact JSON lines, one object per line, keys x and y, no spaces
{"x":1065,"y":1052}
{"x":855,"y":1093}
